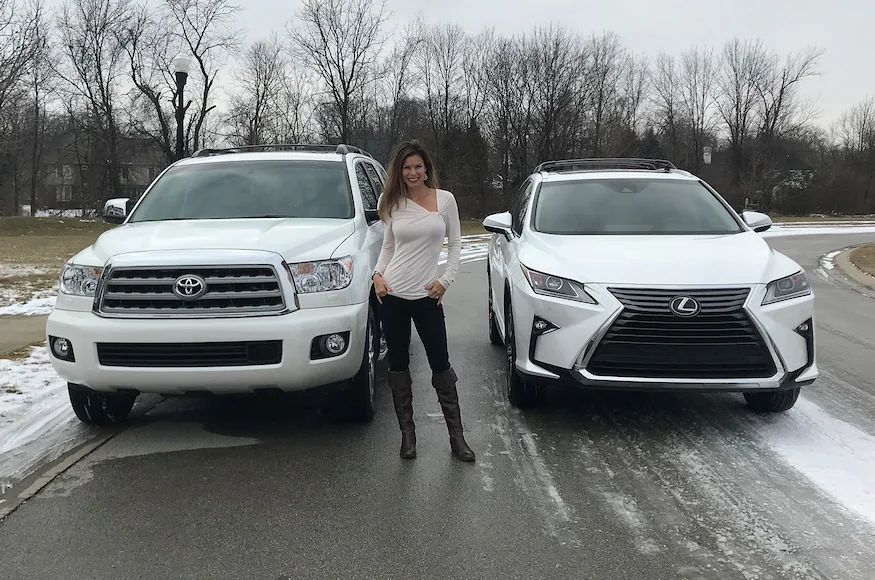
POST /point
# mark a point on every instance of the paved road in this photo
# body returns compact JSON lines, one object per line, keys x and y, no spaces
{"x":592,"y":486}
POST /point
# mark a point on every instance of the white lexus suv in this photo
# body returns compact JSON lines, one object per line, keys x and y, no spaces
{"x":237,"y":271}
{"x":632,"y":274}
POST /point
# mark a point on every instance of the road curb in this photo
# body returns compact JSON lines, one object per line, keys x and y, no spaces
{"x":848,"y":274}
{"x":68,"y":461}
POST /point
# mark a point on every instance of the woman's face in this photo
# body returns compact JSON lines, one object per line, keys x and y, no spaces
{"x":413,"y":171}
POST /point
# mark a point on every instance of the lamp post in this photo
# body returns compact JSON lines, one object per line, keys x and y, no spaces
{"x":180,"y":68}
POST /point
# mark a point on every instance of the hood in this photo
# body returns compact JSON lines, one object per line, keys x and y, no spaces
{"x":743,"y":258}
{"x":296,"y":240}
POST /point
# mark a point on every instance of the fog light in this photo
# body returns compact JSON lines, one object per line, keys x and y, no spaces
{"x":804,"y":327}
{"x":541,"y":326}
{"x":61,"y":348}
{"x":335,"y":344}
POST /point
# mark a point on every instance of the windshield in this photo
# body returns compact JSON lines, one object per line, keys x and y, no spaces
{"x":249,"y":189}
{"x":630,"y":207}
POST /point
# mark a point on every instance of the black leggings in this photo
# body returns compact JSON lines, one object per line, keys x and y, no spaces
{"x":428,"y":316}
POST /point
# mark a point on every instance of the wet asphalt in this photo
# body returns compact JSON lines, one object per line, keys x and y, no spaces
{"x":591,"y":486}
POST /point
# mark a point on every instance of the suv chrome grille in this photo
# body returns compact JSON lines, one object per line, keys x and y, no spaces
{"x":648,"y":340}
{"x":227,"y":291}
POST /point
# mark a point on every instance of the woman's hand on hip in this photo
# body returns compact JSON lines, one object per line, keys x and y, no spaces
{"x":380,"y":287}
{"x":436,"y":290}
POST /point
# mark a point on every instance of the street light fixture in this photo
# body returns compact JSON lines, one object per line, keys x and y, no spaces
{"x":180,"y":68}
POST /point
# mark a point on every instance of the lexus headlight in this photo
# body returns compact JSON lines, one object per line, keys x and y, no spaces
{"x":786,"y":288}
{"x":321,"y":276}
{"x":79,"y":280}
{"x":557,"y":287}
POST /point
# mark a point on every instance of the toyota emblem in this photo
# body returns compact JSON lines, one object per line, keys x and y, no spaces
{"x":189,"y":287}
{"x":684,"y":306}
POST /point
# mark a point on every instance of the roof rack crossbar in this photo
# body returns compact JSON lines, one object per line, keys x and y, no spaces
{"x":341,"y":149}
{"x":606,"y":163}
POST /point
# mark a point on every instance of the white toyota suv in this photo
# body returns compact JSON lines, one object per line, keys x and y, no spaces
{"x":632,"y":274}
{"x":237,"y":271}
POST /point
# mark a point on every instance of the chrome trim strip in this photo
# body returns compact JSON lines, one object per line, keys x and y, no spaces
{"x":196,"y":259}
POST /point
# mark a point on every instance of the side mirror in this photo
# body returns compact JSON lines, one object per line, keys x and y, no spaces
{"x":371,"y":216}
{"x":499,"y":223}
{"x":115,"y":211}
{"x":758,"y":222}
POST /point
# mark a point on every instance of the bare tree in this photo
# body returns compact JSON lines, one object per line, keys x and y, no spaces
{"x":400,"y":75}
{"x":205,"y":30}
{"x":665,"y":99}
{"x":742,"y":66}
{"x":781,"y":109}
{"x":341,"y":41}
{"x":149,"y":44}
{"x":41,"y":81}
{"x":254,"y":106}
{"x":698,"y":73}
{"x":90,"y":31}
{"x":441,"y":66}
{"x":606,"y":58}
{"x":19,"y":43}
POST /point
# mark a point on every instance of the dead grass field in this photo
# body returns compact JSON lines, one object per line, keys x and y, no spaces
{"x":864,"y":258}
{"x":838,"y":218}
{"x":32,"y":251}
{"x":21,"y":353}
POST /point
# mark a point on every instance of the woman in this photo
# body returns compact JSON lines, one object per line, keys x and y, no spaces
{"x":418,"y":215}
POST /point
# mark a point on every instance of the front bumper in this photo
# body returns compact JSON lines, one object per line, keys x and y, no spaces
{"x":574,"y":331}
{"x":295,"y":370}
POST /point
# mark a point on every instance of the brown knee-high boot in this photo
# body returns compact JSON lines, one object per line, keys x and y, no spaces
{"x":445,"y":385}
{"x":402,"y":394}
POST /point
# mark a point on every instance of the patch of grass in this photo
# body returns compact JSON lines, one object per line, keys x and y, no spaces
{"x":864,"y":258}
{"x":45,"y":241}
{"x":824,"y":218}
{"x":472,"y":227}
{"x":28,"y":226}
{"x":25,"y":287}
{"x":21,"y":353}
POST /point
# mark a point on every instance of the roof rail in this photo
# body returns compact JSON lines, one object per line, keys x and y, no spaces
{"x":341,"y":149}
{"x":597,"y":163}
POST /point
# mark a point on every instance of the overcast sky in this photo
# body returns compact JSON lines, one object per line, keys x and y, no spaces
{"x":844,"y":28}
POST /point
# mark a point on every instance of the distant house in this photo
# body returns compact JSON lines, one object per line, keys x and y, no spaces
{"x":76,"y":177}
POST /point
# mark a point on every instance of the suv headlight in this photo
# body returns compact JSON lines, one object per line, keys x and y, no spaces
{"x":79,"y":280}
{"x":787,"y":288}
{"x":558,"y":287}
{"x":321,"y":276}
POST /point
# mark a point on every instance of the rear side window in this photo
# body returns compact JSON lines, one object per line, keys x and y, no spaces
{"x":249,"y":189}
{"x":369,"y":196}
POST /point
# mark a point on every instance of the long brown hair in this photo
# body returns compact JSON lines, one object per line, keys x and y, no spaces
{"x":395,"y":189}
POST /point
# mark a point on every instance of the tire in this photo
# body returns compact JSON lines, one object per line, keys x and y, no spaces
{"x":494,"y":334}
{"x":774,"y":402}
{"x":96,"y":408}
{"x":521,"y":393}
{"x":359,"y":404}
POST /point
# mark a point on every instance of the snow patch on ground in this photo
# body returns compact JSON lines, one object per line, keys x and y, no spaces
{"x":36,"y":420}
{"x":832,"y":454}
{"x":38,"y":306}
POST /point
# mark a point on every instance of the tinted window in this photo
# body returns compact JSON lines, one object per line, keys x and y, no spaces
{"x":519,"y":211}
{"x":630,"y":206}
{"x":369,"y":196}
{"x":375,"y":178}
{"x":249,"y":189}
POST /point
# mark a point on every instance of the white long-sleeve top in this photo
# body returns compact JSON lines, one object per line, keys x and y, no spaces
{"x":412,"y":244}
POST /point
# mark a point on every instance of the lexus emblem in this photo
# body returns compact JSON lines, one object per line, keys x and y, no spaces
{"x":189,"y":287}
{"x":684,"y":306}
